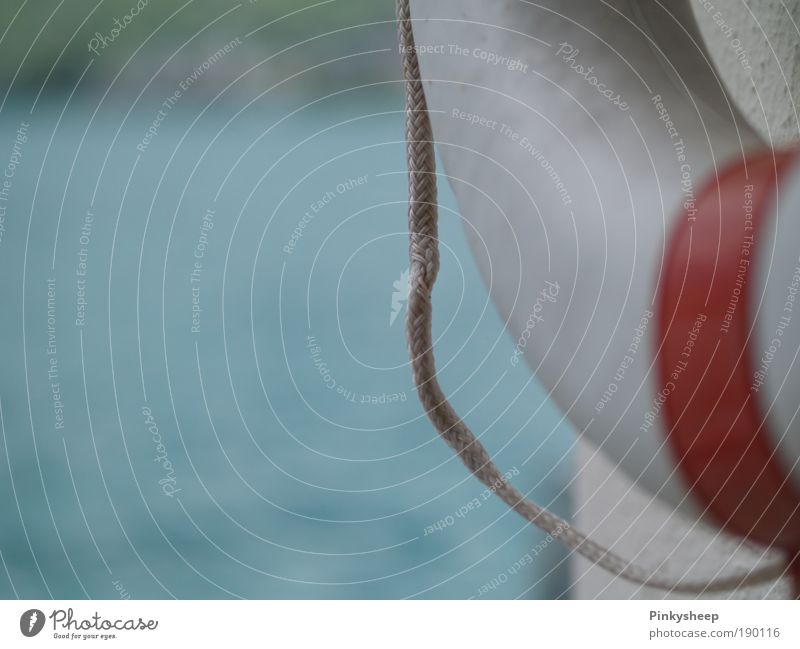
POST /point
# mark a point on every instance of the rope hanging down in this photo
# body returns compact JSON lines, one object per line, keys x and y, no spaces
{"x":424,"y":258}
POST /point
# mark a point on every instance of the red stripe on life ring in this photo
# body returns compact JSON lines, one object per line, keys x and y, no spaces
{"x":716,"y":427}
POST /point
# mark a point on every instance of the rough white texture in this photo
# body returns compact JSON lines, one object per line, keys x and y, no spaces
{"x":769,"y":36}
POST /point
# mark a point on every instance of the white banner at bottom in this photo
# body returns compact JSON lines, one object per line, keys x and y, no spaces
{"x":401,"y":624}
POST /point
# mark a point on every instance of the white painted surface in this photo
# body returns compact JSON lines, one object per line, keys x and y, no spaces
{"x":768,"y":32}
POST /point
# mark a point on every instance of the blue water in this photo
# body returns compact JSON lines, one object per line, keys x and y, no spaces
{"x":267,"y":443}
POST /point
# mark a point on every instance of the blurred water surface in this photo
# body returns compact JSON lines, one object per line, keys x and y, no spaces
{"x":199,"y":402}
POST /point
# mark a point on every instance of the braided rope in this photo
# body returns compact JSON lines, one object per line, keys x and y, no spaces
{"x":424,"y":258}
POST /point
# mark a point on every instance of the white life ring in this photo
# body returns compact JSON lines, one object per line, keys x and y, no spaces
{"x":660,"y":228}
